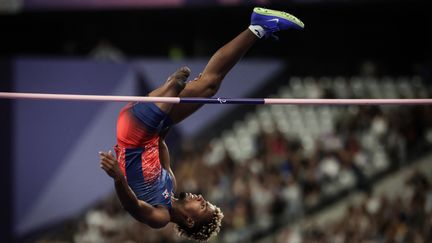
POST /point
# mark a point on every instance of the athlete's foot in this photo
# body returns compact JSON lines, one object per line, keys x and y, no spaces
{"x":179,"y":78}
{"x":266,"y":22}
{"x":172,"y":87}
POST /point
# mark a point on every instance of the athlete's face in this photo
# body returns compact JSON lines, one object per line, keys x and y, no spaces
{"x":196,"y":206}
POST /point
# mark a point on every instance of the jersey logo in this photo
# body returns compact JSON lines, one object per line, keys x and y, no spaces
{"x":274,"y":20}
{"x":165,"y":194}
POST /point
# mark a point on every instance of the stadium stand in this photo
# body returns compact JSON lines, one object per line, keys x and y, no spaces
{"x":281,"y":164}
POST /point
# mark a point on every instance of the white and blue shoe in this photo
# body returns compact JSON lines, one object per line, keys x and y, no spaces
{"x":265,"y":22}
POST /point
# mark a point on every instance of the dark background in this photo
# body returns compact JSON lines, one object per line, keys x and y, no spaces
{"x":338,"y":38}
{"x":337,"y":35}
{"x":5,"y":148}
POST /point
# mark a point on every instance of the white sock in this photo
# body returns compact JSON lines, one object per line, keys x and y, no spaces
{"x":257,"y":30}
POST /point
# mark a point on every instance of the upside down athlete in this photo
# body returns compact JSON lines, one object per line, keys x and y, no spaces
{"x":142,"y":175}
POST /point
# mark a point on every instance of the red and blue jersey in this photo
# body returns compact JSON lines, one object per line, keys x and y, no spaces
{"x":137,"y":150}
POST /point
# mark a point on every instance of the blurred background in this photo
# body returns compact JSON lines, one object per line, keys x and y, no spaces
{"x":279,"y":173}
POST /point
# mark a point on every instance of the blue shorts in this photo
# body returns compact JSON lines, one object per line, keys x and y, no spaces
{"x":151,"y":116}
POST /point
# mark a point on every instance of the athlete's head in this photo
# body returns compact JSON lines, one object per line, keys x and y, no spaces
{"x":201,"y":219}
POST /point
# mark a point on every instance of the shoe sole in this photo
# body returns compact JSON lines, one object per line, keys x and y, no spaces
{"x":280,"y":14}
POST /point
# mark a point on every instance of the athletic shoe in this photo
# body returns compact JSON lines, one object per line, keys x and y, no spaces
{"x":273,"y":21}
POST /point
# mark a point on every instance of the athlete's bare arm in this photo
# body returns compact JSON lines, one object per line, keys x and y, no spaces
{"x":164,"y":157}
{"x":155,"y":217}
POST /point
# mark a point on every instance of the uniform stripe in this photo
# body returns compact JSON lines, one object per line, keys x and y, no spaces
{"x":134,"y":174}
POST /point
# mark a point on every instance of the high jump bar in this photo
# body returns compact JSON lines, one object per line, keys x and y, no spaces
{"x":197,"y":100}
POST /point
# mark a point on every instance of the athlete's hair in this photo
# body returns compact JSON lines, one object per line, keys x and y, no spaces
{"x":204,"y":230}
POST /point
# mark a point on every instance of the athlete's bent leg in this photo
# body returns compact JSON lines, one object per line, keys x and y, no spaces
{"x":207,"y":84}
{"x":264,"y":23}
{"x":172,"y":87}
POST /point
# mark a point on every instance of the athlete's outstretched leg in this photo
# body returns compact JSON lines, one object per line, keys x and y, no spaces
{"x":264,"y":23}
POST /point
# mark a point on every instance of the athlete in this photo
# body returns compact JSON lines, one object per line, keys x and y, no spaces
{"x":143,"y":179}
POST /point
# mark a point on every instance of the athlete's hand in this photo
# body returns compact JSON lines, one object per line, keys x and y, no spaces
{"x":109,"y":164}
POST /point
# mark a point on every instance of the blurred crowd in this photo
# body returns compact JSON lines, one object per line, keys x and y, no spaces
{"x":283,"y":181}
{"x":406,"y":218}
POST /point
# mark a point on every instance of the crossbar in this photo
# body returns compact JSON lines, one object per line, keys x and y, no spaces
{"x":197,"y":100}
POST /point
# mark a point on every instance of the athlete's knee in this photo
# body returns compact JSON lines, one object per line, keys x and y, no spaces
{"x":211,"y":84}
{"x":211,"y":90}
